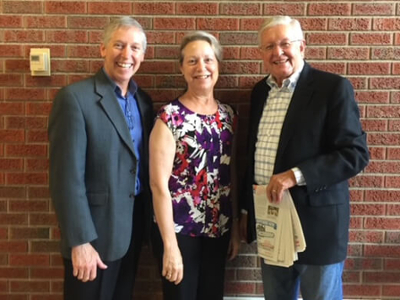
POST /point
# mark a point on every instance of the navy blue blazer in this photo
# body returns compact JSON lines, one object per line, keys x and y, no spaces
{"x":93,"y":166}
{"x":322,"y":136}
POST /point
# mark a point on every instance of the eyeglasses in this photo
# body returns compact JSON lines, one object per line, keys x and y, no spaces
{"x":284,"y":45}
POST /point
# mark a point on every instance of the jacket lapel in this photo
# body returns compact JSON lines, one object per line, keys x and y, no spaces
{"x":301,"y":97}
{"x":142,"y":110}
{"x":258,"y":103}
{"x":110,"y":104}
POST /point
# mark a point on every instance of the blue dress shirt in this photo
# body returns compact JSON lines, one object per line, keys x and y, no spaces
{"x":130,"y":109}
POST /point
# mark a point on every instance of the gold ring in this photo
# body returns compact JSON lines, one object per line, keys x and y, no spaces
{"x":274,"y":191}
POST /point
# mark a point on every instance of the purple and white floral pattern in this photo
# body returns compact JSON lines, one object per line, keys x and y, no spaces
{"x":200,"y":179}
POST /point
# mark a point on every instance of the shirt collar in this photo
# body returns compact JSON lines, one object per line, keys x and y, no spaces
{"x":288,"y":83}
{"x":132,"y":88}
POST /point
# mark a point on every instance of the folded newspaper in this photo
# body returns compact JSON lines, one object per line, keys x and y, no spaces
{"x":279,"y":233}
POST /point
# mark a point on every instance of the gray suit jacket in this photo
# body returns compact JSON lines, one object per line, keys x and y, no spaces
{"x":93,"y":166}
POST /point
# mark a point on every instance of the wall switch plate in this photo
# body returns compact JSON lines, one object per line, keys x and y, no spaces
{"x":39,"y":59}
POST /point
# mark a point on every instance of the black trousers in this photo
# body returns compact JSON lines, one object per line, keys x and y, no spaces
{"x":117,"y":281}
{"x":203,"y":267}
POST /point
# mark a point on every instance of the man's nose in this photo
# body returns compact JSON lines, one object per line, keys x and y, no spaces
{"x":126,"y":52}
{"x":277,"y":50}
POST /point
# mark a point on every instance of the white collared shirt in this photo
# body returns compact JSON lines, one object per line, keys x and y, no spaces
{"x":270,"y":127}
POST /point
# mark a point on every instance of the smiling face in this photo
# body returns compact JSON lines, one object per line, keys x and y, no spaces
{"x":282,"y":63}
{"x":199,"y":66}
{"x":123,"y":55}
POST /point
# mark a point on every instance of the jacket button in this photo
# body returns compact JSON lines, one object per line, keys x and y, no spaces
{"x":132,"y":195}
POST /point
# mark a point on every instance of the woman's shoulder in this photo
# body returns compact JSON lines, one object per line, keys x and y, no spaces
{"x":172,"y":113}
{"x":227,"y":108}
{"x":170,"y":107}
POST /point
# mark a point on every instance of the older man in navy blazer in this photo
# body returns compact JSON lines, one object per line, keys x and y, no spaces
{"x":305,"y":136}
{"x":98,"y":132}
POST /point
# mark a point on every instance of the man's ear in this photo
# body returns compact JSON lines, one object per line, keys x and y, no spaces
{"x":302,"y":47}
{"x":102,"y":50}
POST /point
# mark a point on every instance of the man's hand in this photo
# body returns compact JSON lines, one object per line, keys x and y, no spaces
{"x":278,"y":184}
{"x":85,"y":261}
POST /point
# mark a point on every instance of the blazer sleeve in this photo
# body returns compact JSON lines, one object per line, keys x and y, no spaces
{"x":342,"y":142}
{"x":68,"y":143}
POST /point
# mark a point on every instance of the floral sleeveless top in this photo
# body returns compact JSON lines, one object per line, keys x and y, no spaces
{"x":200,"y":179}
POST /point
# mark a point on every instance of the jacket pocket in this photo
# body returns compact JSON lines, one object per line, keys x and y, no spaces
{"x":331,"y":196}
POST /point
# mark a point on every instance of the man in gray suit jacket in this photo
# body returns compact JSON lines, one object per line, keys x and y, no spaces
{"x":305,"y":136}
{"x":98,"y":133}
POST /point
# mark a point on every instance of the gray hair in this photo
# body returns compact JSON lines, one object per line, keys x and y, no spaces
{"x":123,"y":22}
{"x":201,"y":36}
{"x":281,"y":20}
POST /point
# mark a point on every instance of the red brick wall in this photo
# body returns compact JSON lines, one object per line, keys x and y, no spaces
{"x":358,"y":40}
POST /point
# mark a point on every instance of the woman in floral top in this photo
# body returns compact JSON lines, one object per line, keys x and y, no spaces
{"x":191,"y":158}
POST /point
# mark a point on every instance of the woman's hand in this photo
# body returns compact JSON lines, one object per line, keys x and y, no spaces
{"x":172,"y":264}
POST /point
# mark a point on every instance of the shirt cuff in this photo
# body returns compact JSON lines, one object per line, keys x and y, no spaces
{"x":299,"y":176}
{"x":243,"y":211}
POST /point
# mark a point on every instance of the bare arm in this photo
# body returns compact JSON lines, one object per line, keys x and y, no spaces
{"x":162,"y":153}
